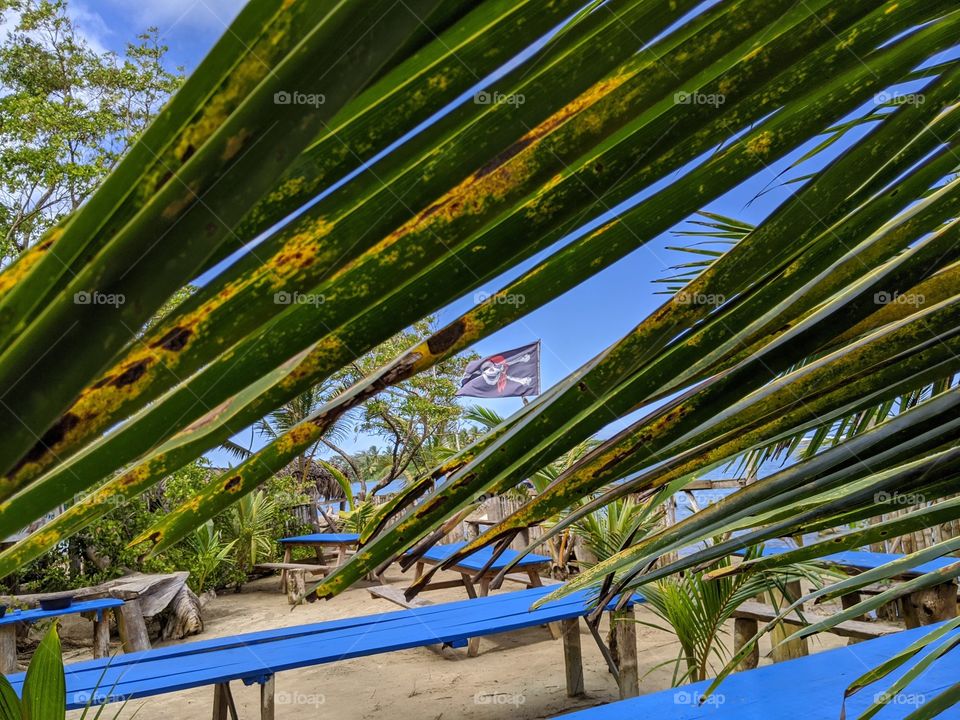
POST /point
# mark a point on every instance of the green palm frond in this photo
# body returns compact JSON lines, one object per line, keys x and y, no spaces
{"x":634,"y":116}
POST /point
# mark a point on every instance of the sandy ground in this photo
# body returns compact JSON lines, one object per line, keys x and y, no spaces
{"x":517,"y":675}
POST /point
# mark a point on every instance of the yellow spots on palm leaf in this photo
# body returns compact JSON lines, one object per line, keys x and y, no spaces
{"x":28,"y":260}
{"x":761,"y":144}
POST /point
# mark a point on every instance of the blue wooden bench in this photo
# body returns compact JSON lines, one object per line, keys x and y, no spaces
{"x":808,"y":688}
{"x":861,"y":561}
{"x":922,"y":607}
{"x":475,"y":577}
{"x":257,"y":657}
{"x":95,"y":609}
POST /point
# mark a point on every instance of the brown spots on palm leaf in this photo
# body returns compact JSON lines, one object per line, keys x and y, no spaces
{"x":506,"y":173}
{"x":298,"y":252}
{"x":28,"y":260}
{"x":45,"y":448}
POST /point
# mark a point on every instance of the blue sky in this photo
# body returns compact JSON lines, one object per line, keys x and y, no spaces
{"x":574,"y":327}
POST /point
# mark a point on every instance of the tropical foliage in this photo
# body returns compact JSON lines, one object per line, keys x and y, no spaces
{"x":630,"y":117}
{"x":696,"y":608}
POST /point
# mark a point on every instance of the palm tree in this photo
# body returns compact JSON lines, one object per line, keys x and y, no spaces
{"x":844,"y":296}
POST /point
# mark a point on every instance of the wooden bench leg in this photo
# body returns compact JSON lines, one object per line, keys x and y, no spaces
{"x":101,"y":636}
{"x":267,"y":697}
{"x":794,"y":648}
{"x":572,"y":658}
{"x":287,"y":557}
{"x":930,"y":605}
{"x":848,"y":601}
{"x":555,"y":630}
{"x":296,"y":586}
{"x":473,"y":644}
{"x":744,"y":629}
{"x":625,"y":628}
{"x":8,"y":649}
{"x":223,"y":705}
{"x":133,"y":629}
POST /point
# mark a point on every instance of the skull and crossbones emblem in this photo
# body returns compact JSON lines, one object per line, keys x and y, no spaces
{"x":494,"y":369}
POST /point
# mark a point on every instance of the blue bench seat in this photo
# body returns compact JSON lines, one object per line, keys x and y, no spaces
{"x":256,"y":657}
{"x":808,"y":688}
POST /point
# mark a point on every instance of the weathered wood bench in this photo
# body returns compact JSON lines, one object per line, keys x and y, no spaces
{"x":258,"y":657}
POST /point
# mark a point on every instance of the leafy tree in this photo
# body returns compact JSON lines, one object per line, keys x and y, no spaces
{"x":417,"y":419}
{"x":67,"y":114}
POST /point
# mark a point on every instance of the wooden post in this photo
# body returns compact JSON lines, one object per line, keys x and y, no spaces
{"x":133,"y":629}
{"x":296,"y":586}
{"x":744,"y":630}
{"x":572,"y":657}
{"x":220,"y":704}
{"x":795,"y":648}
{"x":267,"y":699}
{"x":848,"y":601}
{"x":8,"y":648}
{"x":930,"y":605}
{"x":287,"y":557}
{"x":625,"y":630}
{"x":101,"y":636}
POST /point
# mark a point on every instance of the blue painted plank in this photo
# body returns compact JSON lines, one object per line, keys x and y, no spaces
{"x":253,"y":656}
{"x":475,"y":561}
{"x":323,"y":539}
{"x":861,"y":560}
{"x":808,"y":688}
{"x":32,"y":616}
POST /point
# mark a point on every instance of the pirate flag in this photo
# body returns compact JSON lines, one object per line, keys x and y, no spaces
{"x":514,"y":373}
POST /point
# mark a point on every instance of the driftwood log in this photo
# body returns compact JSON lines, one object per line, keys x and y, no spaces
{"x":183,"y":616}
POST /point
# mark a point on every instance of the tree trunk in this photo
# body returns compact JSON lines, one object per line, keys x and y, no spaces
{"x":182,"y":617}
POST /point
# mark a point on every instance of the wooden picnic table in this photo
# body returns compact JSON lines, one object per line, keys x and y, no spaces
{"x":477,"y":526}
{"x":94,"y":609}
{"x":339,"y":543}
{"x":529,"y":574}
{"x":469,"y":567}
{"x":921,"y":607}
